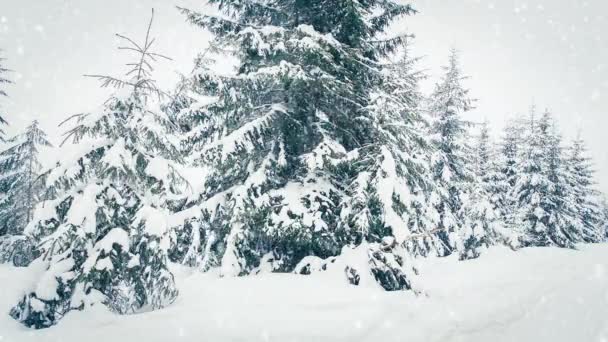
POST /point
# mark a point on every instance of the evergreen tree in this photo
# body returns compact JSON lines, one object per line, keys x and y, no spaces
{"x":104,"y":231}
{"x":300,"y":146}
{"x":449,"y":162}
{"x":541,"y":188}
{"x":20,"y":189}
{"x":481,"y":210}
{"x":511,"y":150}
{"x":3,"y":81}
{"x":562,"y":222}
{"x":396,"y":175}
{"x":20,"y":183}
{"x":584,"y":199}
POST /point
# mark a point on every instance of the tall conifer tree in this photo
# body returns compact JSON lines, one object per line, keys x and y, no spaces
{"x":584,"y":199}
{"x":20,"y":182}
{"x":450,"y":164}
{"x":21,"y":187}
{"x":399,"y":177}
{"x":541,"y":189}
{"x":301,"y":144}
{"x":511,"y":152}
{"x":482,"y":221}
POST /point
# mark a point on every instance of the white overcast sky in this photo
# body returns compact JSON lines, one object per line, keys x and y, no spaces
{"x":553,"y":53}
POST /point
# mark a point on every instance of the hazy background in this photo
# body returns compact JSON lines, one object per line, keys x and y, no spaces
{"x":548,"y":52}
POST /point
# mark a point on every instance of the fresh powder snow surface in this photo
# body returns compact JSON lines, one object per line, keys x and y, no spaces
{"x":536,"y":294}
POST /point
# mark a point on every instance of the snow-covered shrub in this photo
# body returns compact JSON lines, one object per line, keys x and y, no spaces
{"x":382,"y":265}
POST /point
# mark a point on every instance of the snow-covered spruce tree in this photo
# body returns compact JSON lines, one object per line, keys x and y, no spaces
{"x":563,"y":222}
{"x":481,"y":208}
{"x":584,"y":199}
{"x":450,"y":162}
{"x":20,"y":189}
{"x":298,"y":161}
{"x":388,"y":200}
{"x":508,"y":160}
{"x":3,"y":81}
{"x":104,"y":232}
{"x":20,"y":183}
{"x":398,"y":175}
{"x":541,"y":189}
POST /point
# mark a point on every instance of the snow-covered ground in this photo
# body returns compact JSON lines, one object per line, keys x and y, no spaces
{"x":537,"y":294}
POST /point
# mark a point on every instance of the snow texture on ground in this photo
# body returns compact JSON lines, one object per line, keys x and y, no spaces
{"x":536,"y":294}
